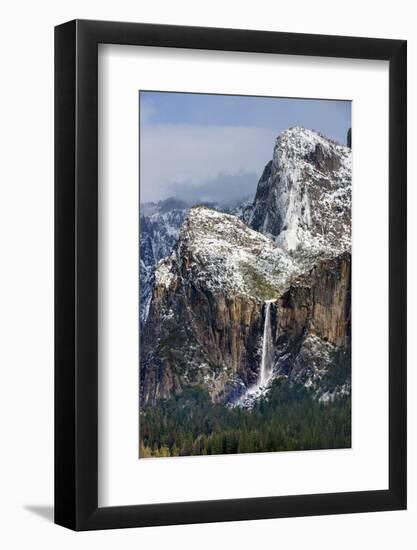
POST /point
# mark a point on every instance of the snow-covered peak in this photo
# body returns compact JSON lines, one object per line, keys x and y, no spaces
{"x":222,"y":253}
{"x":159,"y":230}
{"x":303,"y":199}
{"x":303,"y":146}
{"x":298,"y":137}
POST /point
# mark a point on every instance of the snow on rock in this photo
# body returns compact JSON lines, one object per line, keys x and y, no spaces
{"x":303,"y":199}
{"x":163,"y":274}
{"x":160,"y":225}
{"x":227,"y":256}
{"x":159,"y":229}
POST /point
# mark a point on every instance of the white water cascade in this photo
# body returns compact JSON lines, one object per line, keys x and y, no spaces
{"x":265,"y":372}
{"x":266,"y":369}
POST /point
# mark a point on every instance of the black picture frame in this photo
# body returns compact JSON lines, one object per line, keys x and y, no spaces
{"x":76,"y":272}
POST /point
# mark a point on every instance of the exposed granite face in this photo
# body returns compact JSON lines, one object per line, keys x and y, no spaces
{"x":318,"y":302}
{"x":314,"y":319}
{"x":211,"y":341}
{"x":265,"y":201}
{"x":325,"y":159}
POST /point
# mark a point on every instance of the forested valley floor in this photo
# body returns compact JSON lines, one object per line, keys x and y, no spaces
{"x":289,"y":419}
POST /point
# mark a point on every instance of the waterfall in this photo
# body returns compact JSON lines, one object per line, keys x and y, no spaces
{"x":265,"y":372}
{"x":266,"y":368}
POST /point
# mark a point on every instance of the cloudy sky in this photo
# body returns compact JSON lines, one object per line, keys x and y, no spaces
{"x":202,"y":147}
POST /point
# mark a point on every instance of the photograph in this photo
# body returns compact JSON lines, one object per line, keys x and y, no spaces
{"x":208,"y":275}
{"x":245,"y":274}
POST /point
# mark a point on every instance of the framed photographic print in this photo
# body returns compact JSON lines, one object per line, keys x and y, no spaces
{"x":230,"y":247}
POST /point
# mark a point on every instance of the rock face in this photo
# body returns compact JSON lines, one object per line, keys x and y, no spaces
{"x":314,"y":321}
{"x":303,"y":199}
{"x":289,"y":259}
{"x":318,"y":303}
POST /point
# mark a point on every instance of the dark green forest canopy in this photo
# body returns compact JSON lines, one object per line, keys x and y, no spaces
{"x":288,"y":419}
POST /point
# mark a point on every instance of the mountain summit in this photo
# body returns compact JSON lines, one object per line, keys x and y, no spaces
{"x":303,"y":198}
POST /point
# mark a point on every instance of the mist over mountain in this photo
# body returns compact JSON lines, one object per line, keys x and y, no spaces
{"x":225,"y":189}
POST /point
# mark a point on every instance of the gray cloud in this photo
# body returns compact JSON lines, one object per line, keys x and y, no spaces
{"x":224,"y":188}
{"x":202,"y":160}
